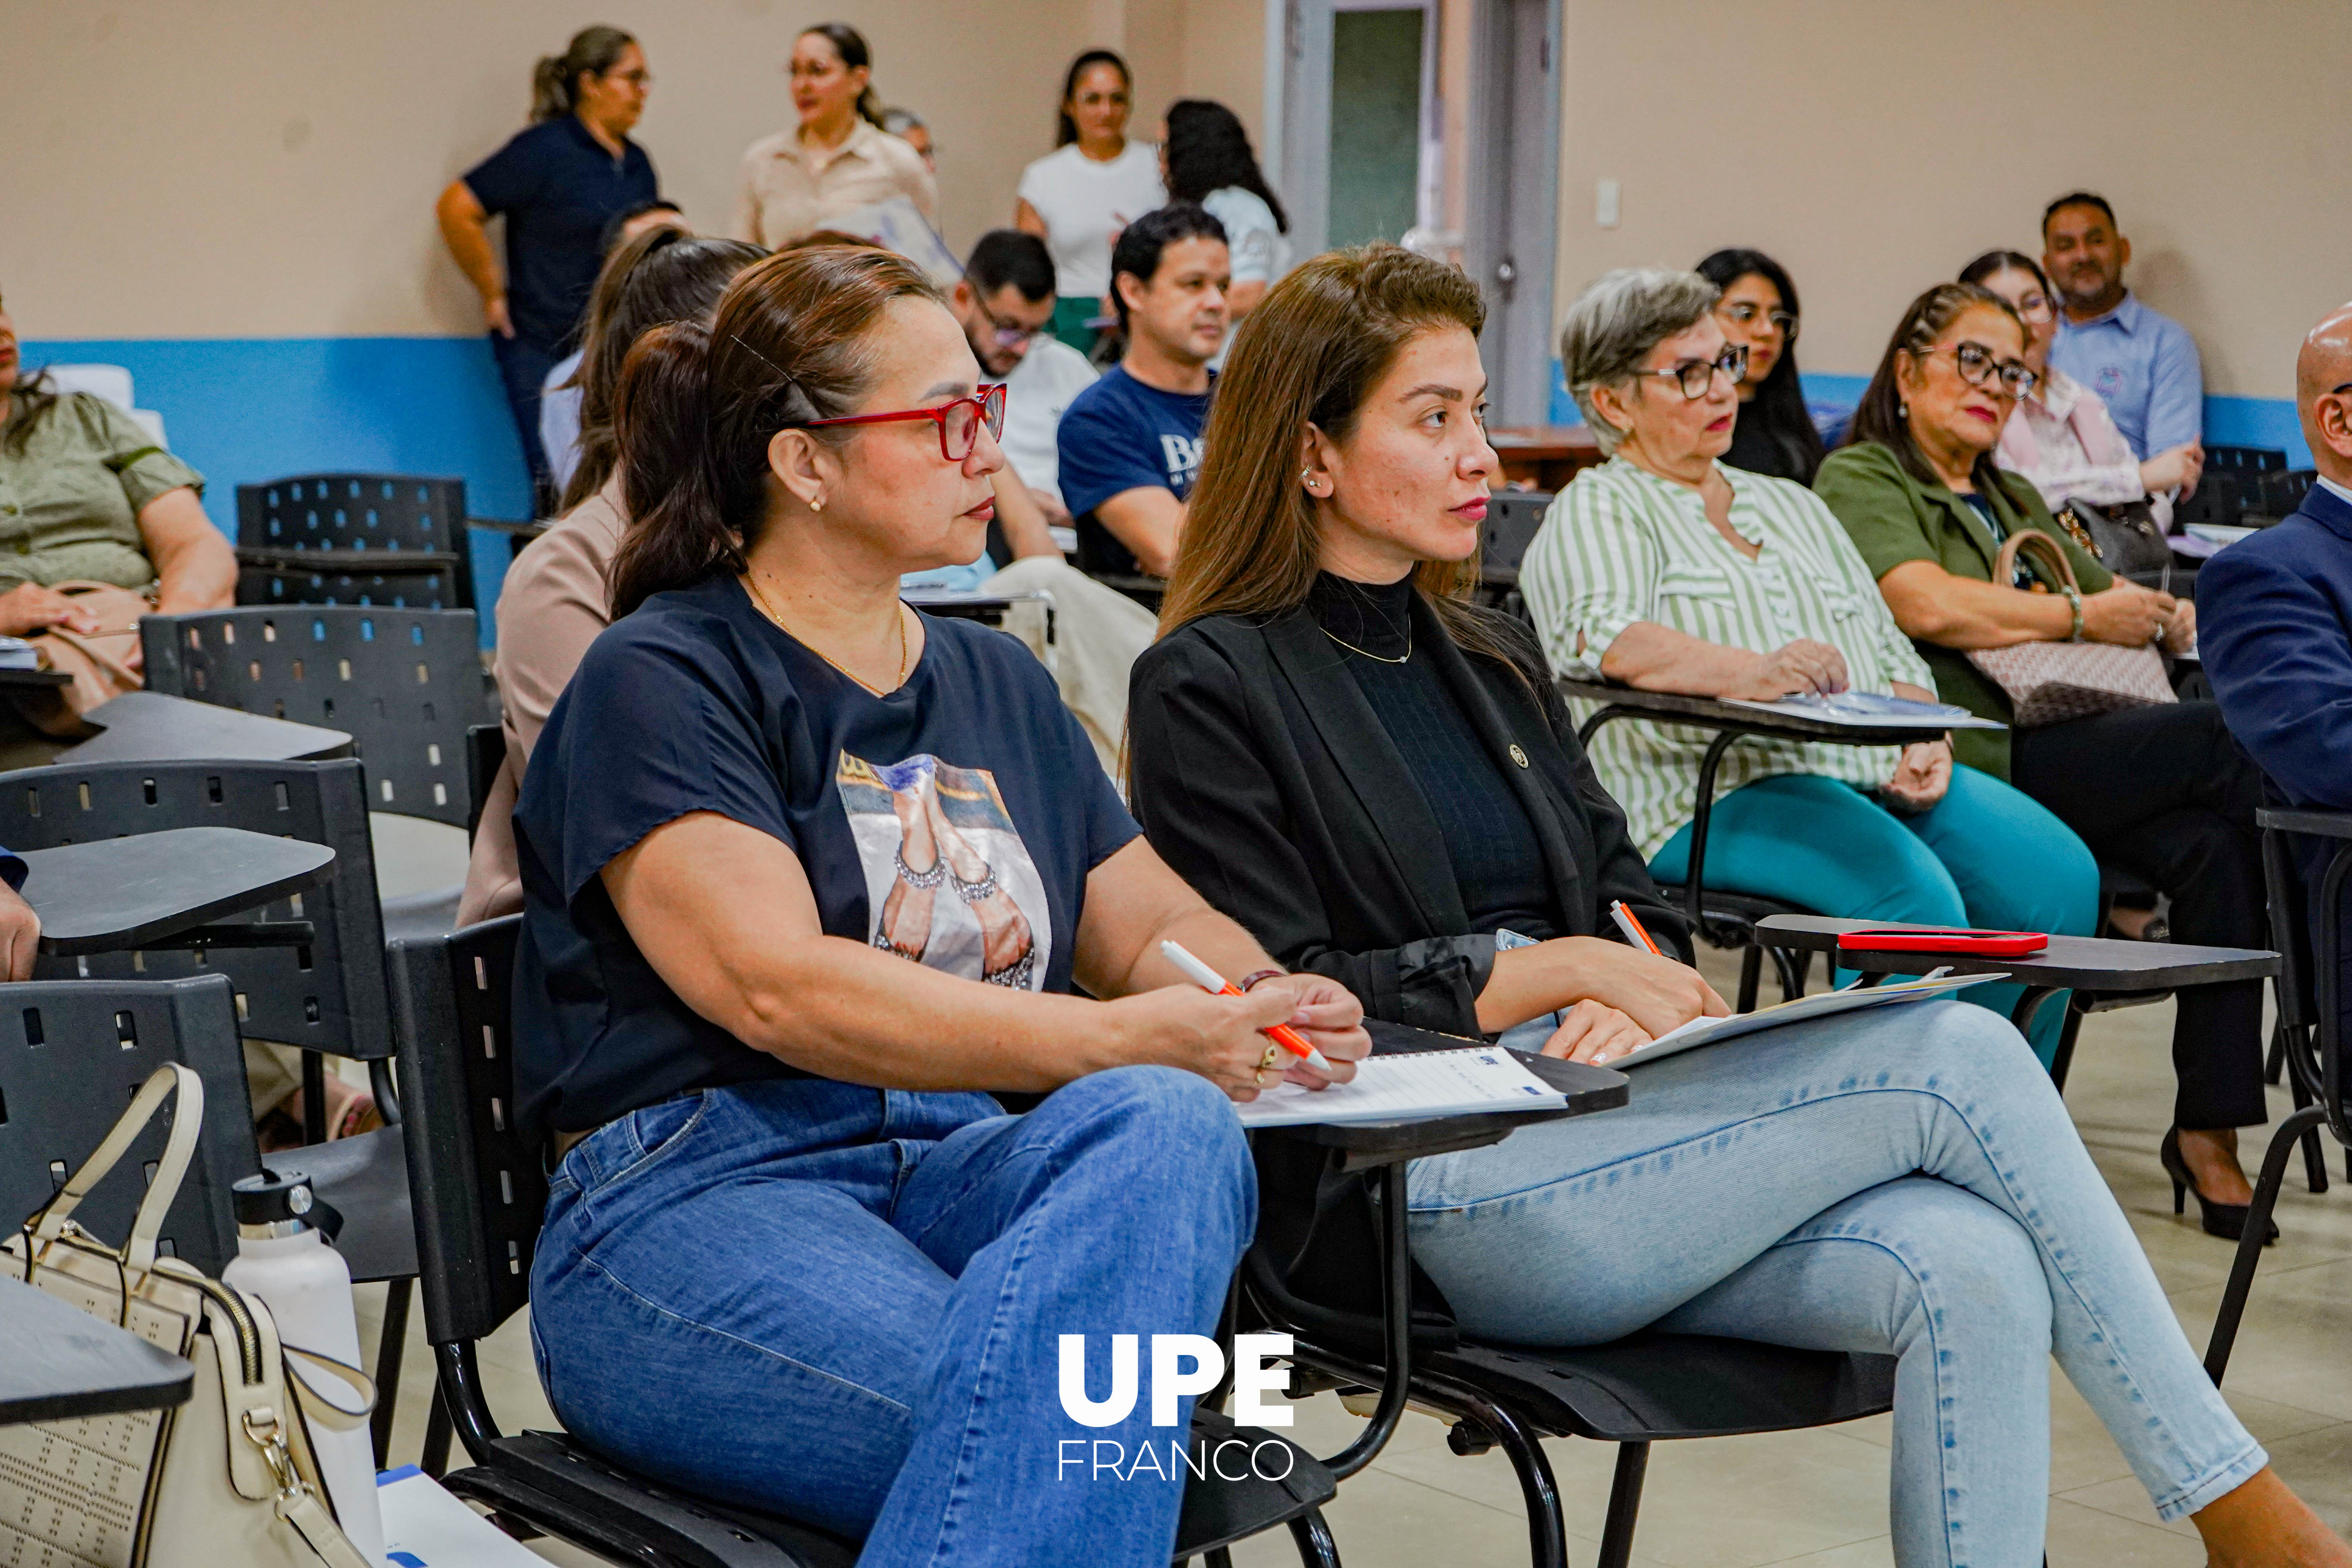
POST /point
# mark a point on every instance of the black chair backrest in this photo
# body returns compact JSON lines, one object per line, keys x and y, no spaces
{"x":478,"y":1188}
{"x":2245,"y":460}
{"x":352,"y":511}
{"x":1513,"y":518}
{"x":406,"y":685}
{"x":2282,"y":493}
{"x":328,"y":997}
{"x":2231,"y":485}
{"x":430,"y":582}
{"x":72,"y":1055}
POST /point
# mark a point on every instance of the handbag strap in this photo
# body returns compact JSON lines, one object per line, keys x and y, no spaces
{"x":330,"y":1409}
{"x":2031,"y":540}
{"x":139,"y":1250}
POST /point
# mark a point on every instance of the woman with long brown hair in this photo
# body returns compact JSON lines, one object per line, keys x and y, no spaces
{"x":806,"y":875}
{"x":1376,"y":778}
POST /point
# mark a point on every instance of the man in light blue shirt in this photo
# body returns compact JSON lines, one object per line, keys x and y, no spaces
{"x":2143,"y":366}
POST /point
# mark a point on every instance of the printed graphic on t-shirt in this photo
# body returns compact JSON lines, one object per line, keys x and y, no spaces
{"x":2108,"y":381}
{"x":1182,"y":455}
{"x":948,"y":882}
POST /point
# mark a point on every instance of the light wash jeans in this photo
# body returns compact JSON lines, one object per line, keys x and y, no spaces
{"x":845,"y":1306}
{"x":1902,"y":1181}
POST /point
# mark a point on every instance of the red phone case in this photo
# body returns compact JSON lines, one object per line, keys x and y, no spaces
{"x":1984,"y":943}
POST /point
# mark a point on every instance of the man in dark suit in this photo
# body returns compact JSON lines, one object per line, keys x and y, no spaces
{"x":2275,"y":613}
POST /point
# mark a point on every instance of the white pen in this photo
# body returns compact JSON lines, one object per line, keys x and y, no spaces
{"x":1216,"y":985}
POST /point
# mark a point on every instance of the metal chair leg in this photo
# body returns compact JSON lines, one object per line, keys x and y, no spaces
{"x":1218,"y":1557}
{"x":435,"y":1460}
{"x":1790,"y":967}
{"x":314,"y":1098}
{"x":1625,"y":1505}
{"x":388,"y":1348}
{"x":1313,"y":1538}
{"x":1751,"y":970}
{"x":2249,"y":1245}
{"x":2315,"y":1159}
{"x":2274,"y":1065}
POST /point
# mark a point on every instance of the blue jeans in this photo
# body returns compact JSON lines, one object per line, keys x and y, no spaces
{"x":845,"y":1305}
{"x":522,"y":371}
{"x":1986,"y":855}
{"x":1895,"y":1182}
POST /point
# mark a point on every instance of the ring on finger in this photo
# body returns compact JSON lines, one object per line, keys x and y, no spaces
{"x":1272,"y":1055}
{"x":1258,"y":1078}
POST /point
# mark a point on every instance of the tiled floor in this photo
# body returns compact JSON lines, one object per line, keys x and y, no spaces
{"x":1819,"y":1498}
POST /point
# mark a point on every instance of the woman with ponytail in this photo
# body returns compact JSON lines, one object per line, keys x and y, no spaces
{"x":558,"y":184}
{"x":838,"y":158}
{"x":786,"y":841}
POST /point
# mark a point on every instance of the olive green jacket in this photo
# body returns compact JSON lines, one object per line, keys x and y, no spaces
{"x":1894,"y":518}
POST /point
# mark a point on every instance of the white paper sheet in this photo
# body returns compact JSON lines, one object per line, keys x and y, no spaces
{"x":1398,"y":1088}
{"x":1827,"y":1004}
{"x":1868,"y":710}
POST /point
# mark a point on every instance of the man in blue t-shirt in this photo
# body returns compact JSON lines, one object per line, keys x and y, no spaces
{"x":1130,"y":443}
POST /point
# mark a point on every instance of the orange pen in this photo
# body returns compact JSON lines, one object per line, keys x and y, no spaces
{"x":1216,"y":985}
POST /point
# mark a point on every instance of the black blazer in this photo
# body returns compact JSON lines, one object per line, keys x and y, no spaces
{"x":1261,"y":775}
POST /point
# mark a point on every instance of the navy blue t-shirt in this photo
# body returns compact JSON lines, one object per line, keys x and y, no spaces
{"x":952,"y":822}
{"x":558,"y":188}
{"x":1119,"y":435}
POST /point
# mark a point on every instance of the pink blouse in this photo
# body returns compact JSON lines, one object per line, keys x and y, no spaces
{"x":2063,"y":440}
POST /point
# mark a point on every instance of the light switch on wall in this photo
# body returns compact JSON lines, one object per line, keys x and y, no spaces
{"x":1604,"y":204}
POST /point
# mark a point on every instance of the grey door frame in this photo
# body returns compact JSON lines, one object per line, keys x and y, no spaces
{"x":1299,"y":104}
{"x":1511,"y":238}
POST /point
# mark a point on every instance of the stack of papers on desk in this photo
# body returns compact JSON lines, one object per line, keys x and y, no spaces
{"x":1867,"y":709}
{"x":1473,"y":1079}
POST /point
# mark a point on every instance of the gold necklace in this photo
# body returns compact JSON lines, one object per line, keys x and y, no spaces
{"x":1375,"y":658}
{"x":761,"y":596}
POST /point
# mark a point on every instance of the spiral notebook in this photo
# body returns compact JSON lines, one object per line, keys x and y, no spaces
{"x":1408,"y":1085}
{"x":1823,"y":1004}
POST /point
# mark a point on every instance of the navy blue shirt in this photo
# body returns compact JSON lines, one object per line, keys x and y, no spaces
{"x":1119,"y":435}
{"x":952,"y":823}
{"x":558,"y":188}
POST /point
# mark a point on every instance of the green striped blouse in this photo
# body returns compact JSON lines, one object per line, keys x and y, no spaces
{"x":1622,"y":545}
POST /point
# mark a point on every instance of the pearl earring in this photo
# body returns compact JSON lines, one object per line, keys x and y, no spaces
{"x":817,"y":505}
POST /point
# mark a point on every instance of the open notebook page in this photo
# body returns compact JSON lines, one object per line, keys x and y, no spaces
{"x":1398,"y":1087}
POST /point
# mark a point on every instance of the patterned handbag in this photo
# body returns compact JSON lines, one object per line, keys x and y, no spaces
{"x":2051,"y":682}
{"x":228,"y":1477}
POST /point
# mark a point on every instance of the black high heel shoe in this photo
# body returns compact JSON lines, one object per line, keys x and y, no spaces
{"x":2227,"y":1221}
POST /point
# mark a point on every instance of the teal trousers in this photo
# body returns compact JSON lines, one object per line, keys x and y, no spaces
{"x":1986,"y":855}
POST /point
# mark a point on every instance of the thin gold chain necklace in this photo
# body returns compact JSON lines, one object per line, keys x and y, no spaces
{"x":761,"y":596}
{"x":1375,"y":658}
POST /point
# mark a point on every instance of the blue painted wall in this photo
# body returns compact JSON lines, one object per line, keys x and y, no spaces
{"x":243,"y":410}
{"x":2229,"y":421}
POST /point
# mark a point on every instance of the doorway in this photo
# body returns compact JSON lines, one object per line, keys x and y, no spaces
{"x":1358,"y":127}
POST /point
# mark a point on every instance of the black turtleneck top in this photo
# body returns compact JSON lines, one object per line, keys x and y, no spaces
{"x":1497,"y":860}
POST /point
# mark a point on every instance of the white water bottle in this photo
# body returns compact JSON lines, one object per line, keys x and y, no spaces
{"x":282,"y":1258}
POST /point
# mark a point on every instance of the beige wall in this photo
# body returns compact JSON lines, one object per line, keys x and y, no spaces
{"x":267,"y":168}
{"x":1874,"y":146}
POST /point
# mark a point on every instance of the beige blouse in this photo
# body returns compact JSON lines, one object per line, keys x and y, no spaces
{"x":553,"y":606}
{"x":789,"y":191}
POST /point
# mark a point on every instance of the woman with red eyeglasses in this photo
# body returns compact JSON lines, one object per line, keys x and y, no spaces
{"x":807,"y":877}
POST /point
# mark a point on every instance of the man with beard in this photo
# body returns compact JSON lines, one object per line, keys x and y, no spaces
{"x":2143,"y":365}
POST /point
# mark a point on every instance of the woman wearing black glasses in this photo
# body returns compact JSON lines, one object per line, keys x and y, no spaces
{"x":2162,"y":791}
{"x":807,"y":875}
{"x":1759,"y":313}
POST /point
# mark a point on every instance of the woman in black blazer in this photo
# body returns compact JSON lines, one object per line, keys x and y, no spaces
{"x":1374,"y":776}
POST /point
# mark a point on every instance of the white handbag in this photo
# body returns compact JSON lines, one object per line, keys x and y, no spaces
{"x":228,"y":1478}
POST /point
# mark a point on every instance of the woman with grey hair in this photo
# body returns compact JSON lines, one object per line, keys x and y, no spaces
{"x":1667,"y":571}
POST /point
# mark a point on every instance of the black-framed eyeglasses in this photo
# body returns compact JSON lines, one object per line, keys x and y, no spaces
{"x":1747,"y":313}
{"x":1977,"y":365}
{"x":959,"y":422}
{"x":1696,"y":375}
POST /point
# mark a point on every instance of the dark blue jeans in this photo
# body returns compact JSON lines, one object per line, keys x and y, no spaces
{"x":522,"y":369}
{"x":845,"y":1305}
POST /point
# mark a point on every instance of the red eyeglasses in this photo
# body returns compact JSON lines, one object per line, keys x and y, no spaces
{"x":959,"y":422}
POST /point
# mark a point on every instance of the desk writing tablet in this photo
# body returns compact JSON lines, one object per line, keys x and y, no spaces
{"x":113,"y":894}
{"x":149,"y":727}
{"x":58,"y":1363}
{"x":34,"y":679}
{"x":2098,"y":964}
